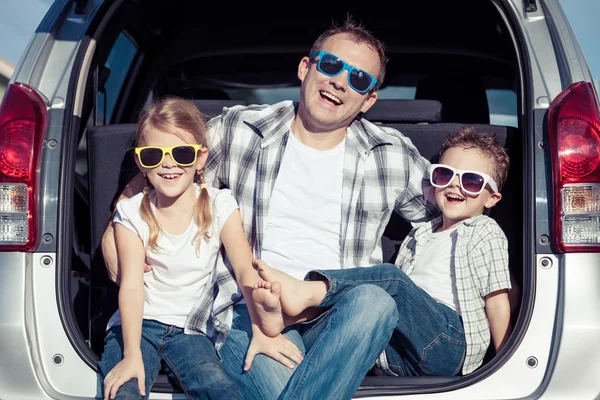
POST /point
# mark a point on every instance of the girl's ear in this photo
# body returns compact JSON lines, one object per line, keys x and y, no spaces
{"x":202,"y":157}
{"x":137,"y":162}
{"x":494,"y":198}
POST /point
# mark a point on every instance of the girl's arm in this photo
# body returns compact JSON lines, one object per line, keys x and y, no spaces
{"x":241,"y":257}
{"x":497,"y":309}
{"x":131,"y":257}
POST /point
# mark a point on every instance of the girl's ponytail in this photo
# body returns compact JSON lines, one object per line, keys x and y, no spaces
{"x":202,"y":214}
{"x":149,"y":217}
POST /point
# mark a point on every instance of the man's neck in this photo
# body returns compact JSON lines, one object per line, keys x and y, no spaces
{"x":317,"y":140}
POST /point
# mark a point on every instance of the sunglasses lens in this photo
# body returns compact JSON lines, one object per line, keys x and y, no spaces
{"x":360,"y":80}
{"x":184,"y":155}
{"x":150,"y":157}
{"x":472,"y":182}
{"x":330,"y":65}
{"x":442,"y":176}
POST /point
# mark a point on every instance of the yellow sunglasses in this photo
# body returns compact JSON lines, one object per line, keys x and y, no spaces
{"x":183,"y":155}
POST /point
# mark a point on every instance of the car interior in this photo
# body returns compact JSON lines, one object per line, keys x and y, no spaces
{"x":452,"y":64}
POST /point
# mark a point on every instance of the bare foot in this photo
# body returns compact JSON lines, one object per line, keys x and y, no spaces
{"x":268,"y":307}
{"x":296,"y":295}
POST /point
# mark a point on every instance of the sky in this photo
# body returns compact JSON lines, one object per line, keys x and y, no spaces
{"x":20,"y":18}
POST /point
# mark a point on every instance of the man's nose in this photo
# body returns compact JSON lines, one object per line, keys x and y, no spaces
{"x":340,"y":81}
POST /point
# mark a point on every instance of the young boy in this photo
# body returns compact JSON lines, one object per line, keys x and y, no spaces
{"x":451,"y":278}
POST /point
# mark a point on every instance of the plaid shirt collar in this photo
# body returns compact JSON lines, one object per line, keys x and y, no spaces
{"x":271,"y":124}
{"x":425,"y":229}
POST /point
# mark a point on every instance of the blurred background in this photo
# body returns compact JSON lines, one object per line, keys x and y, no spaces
{"x":20,"y":18}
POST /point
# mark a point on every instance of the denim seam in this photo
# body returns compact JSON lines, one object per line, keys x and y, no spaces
{"x":176,"y":373}
{"x":455,"y":342}
{"x":315,"y":347}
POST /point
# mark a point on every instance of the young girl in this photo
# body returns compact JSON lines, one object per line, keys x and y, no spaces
{"x":176,"y":226}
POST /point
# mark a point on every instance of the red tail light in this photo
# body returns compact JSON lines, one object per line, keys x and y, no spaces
{"x":23,"y":118}
{"x":574,"y":129}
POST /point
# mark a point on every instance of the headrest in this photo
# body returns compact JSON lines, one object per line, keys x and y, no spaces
{"x":463,"y":97}
{"x":400,"y":111}
{"x":211,"y":107}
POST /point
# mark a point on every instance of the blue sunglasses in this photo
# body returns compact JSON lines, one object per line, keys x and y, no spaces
{"x":331,"y":65}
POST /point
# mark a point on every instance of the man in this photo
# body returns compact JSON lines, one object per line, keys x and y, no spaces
{"x":316,"y":185}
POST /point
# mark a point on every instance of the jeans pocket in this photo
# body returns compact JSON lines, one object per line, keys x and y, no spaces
{"x":443,"y":356}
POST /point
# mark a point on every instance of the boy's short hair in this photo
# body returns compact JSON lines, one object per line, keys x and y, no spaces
{"x":487,"y":144}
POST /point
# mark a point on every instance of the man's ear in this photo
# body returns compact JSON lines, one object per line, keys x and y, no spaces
{"x":494,"y":198}
{"x":303,"y":68}
{"x":372,"y":97}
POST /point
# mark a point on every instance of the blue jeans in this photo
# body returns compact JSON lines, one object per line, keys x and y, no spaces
{"x":191,"y":362}
{"x":340,"y":347}
{"x":429,"y":338}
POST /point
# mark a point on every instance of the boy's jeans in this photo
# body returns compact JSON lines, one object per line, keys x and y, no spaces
{"x":429,"y":338}
{"x":341,"y":346}
{"x":191,"y":361}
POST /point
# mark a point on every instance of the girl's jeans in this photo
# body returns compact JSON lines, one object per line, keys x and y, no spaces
{"x":190,"y":360}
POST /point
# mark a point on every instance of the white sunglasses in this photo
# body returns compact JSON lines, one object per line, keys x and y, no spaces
{"x":472,"y":182}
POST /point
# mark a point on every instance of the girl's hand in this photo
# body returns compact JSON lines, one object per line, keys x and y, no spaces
{"x":279,"y":348}
{"x":129,"y":367}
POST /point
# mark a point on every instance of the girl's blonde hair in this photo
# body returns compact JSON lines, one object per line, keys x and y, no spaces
{"x":165,"y":114}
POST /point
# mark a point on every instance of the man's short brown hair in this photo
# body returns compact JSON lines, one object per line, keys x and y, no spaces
{"x":487,"y":144}
{"x":359,"y":34}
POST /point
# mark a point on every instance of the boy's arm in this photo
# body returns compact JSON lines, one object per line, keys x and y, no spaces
{"x":497,"y":309}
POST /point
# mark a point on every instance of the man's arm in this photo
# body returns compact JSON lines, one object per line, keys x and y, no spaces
{"x":416,"y":200}
{"x":497,"y":309}
{"x":109,"y":248}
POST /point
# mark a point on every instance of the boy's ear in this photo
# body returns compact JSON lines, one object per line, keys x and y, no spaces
{"x":493,"y":199}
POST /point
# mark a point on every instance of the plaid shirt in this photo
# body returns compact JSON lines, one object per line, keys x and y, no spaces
{"x":481,"y":267}
{"x":383,"y":172}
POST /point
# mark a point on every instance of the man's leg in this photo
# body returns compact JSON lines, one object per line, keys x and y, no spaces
{"x":429,"y":337}
{"x":267,"y":377}
{"x":343,"y":344}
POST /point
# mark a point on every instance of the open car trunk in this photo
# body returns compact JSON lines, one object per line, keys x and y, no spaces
{"x":459,"y":55}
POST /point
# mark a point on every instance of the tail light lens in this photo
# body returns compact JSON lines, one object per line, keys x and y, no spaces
{"x":23,"y":118}
{"x":574,"y":129}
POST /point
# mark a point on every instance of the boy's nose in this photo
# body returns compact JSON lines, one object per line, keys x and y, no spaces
{"x":455,"y":181}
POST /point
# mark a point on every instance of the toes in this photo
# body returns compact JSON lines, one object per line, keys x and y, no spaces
{"x":276,"y":288}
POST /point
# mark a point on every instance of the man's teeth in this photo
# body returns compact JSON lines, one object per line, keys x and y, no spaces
{"x":331,"y":97}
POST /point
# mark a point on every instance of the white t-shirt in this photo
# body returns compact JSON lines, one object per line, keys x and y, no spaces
{"x":302,"y":226}
{"x":434,"y":268}
{"x":179,"y":273}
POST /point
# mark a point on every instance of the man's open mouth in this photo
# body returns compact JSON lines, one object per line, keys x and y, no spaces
{"x":331,"y":98}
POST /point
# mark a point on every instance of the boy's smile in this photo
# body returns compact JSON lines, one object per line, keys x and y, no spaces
{"x":457,"y":205}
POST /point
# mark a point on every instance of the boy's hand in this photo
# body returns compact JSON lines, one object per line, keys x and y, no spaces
{"x":279,"y":348}
{"x":129,"y":367}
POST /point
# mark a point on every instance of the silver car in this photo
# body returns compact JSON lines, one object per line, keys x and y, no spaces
{"x":510,"y":67}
